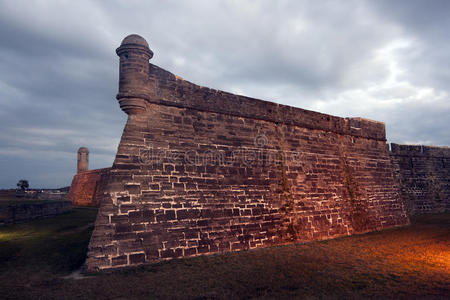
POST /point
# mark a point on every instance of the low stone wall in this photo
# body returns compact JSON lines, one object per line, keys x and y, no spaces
{"x":46,"y":195}
{"x":21,"y":212}
{"x":8,"y":194}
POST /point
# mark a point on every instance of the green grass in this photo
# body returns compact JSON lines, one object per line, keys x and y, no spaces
{"x":55,"y":245}
{"x":408,"y":262}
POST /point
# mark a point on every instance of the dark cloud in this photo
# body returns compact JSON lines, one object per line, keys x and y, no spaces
{"x":427,"y":23}
{"x":385,"y":60}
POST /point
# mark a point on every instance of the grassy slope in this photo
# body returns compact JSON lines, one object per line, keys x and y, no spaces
{"x":41,"y":250}
{"x":410,"y":262}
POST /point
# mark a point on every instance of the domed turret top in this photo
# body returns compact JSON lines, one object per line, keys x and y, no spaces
{"x":134,"y":39}
{"x":83,"y":150}
{"x":134,"y":42}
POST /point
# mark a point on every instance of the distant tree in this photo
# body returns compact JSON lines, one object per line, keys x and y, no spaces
{"x":23,"y":184}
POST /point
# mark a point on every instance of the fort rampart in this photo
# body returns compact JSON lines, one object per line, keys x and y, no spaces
{"x":424,"y":176}
{"x":201,"y":171}
{"x":87,"y":187}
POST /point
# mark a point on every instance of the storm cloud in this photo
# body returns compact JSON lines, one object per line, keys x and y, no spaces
{"x":382,"y":60}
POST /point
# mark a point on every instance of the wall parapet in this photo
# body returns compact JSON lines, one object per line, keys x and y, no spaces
{"x":171,"y":90}
{"x":420,"y":150}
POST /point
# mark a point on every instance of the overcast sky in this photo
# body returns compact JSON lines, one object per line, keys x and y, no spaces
{"x":382,"y":60}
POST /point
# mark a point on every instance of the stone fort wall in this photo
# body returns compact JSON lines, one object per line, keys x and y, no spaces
{"x":87,"y":187}
{"x":201,"y":171}
{"x":424,"y":175}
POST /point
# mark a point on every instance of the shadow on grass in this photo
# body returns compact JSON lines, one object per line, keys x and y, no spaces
{"x":56,"y":245}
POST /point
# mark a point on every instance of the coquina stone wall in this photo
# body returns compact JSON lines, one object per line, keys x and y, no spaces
{"x":424,"y":175}
{"x":87,"y":187}
{"x":201,"y":171}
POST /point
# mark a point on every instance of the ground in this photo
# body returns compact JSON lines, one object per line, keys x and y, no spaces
{"x":408,"y":262}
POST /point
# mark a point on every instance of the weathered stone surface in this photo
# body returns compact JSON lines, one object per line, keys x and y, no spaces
{"x":201,"y":171}
{"x":424,"y":175}
{"x":87,"y":186}
{"x":82,"y":159}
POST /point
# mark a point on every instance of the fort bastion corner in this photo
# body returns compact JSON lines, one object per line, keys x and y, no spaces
{"x":201,"y":171}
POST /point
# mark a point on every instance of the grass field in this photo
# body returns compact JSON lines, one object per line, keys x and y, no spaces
{"x":409,"y":262}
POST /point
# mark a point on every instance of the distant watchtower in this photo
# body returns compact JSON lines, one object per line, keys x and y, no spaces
{"x":83,"y":159}
{"x":134,"y":54}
